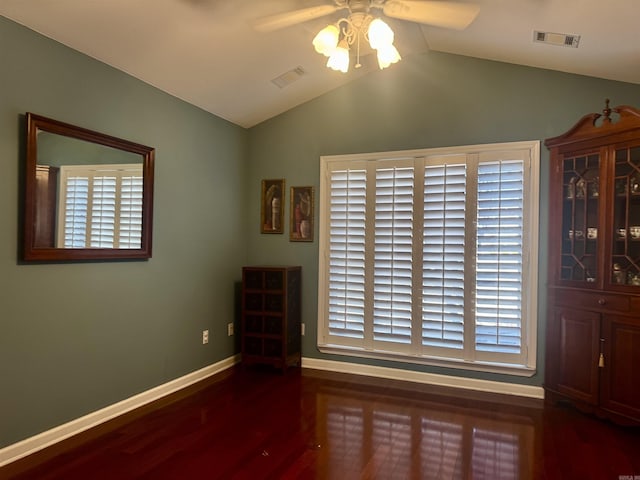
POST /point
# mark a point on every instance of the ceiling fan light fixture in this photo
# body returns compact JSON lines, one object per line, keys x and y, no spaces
{"x":339,"y":59}
{"x":388,"y":55}
{"x":380,"y":34}
{"x":326,"y":40}
{"x":360,"y":25}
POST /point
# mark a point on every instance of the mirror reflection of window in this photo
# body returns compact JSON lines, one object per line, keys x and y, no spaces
{"x":87,"y":195}
{"x":100,"y":206}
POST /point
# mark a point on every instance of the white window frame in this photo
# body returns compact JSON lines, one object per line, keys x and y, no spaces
{"x":523,"y":364}
{"x":91,"y":173}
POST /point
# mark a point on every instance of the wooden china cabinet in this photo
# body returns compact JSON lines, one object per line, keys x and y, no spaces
{"x":593,"y":329}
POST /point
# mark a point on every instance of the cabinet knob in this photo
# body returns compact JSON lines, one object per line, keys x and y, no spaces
{"x":602,"y":301}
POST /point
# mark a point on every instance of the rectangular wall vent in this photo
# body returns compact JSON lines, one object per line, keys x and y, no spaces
{"x":558,"y":39}
{"x":289,"y":77}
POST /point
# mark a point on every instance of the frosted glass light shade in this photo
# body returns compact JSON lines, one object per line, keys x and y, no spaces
{"x":339,"y":59}
{"x":380,"y":34}
{"x":387,"y":55}
{"x":326,"y":40}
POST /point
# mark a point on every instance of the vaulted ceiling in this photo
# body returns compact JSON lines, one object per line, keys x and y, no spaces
{"x":207,"y":52}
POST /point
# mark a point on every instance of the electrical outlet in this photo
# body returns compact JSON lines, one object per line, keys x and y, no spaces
{"x":205,"y":337}
{"x":230,"y":329}
{"x":302,"y":329}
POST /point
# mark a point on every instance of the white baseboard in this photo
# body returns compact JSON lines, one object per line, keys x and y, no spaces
{"x":428,"y":378}
{"x":42,"y":440}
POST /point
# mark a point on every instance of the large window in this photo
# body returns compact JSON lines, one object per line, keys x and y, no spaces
{"x":431,"y":256}
{"x":100,"y":206}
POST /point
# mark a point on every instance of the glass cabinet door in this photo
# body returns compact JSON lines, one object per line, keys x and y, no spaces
{"x":625,"y":262}
{"x":580,"y":208}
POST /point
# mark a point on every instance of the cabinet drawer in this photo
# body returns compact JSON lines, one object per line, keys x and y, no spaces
{"x":592,"y":301}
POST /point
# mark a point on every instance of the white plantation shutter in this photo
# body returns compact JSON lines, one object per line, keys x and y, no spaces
{"x":131,"y":212}
{"x":426,"y":257}
{"x":103,"y":211}
{"x":392,"y":283}
{"x":75,"y":212}
{"x":347,"y":210}
{"x":499,"y":256}
{"x":443,"y":256}
{"x":101,"y":207}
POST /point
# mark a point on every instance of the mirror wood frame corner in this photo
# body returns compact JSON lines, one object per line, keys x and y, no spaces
{"x":42,"y":221}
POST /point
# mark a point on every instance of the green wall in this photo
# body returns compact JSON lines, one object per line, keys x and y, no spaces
{"x":78,"y":337}
{"x":428,"y":100}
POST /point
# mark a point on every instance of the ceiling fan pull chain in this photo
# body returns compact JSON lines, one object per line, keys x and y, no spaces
{"x":358,"y":64}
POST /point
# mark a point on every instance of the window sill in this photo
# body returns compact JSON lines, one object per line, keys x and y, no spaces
{"x":500,"y":368}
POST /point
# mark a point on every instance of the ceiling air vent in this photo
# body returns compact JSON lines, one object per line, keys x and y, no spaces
{"x":289,"y":77}
{"x":558,"y":39}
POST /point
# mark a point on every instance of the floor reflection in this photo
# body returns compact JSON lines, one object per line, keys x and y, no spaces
{"x":363,"y":438}
{"x":310,"y":425}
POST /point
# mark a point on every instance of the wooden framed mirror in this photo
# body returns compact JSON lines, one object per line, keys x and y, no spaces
{"x":88,"y":196}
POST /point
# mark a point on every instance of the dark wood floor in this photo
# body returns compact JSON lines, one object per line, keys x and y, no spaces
{"x":259,"y":424}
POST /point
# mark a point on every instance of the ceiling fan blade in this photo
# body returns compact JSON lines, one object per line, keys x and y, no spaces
{"x":282,"y":20}
{"x":438,"y":13}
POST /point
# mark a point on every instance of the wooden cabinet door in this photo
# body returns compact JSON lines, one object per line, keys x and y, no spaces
{"x":577,"y":351}
{"x":621,"y":370}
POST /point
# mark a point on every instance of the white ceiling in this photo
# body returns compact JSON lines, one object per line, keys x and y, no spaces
{"x":206,"y":52}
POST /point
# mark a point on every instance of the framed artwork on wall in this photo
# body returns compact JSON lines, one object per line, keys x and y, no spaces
{"x":301,"y":210}
{"x":272,"y":206}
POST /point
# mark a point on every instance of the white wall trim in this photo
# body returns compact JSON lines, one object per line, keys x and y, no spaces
{"x":47,"y":438}
{"x":426,"y":378}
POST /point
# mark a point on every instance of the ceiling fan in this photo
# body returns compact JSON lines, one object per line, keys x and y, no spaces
{"x":438,"y":13}
{"x":362,"y":23}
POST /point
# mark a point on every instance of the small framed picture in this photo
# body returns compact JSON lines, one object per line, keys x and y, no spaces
{"x":272,"y":206}
{"x":301,"y":221}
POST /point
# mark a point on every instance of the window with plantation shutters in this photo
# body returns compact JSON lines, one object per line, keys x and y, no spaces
{"x":101,"y":207}
{"x":430,"y":256}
